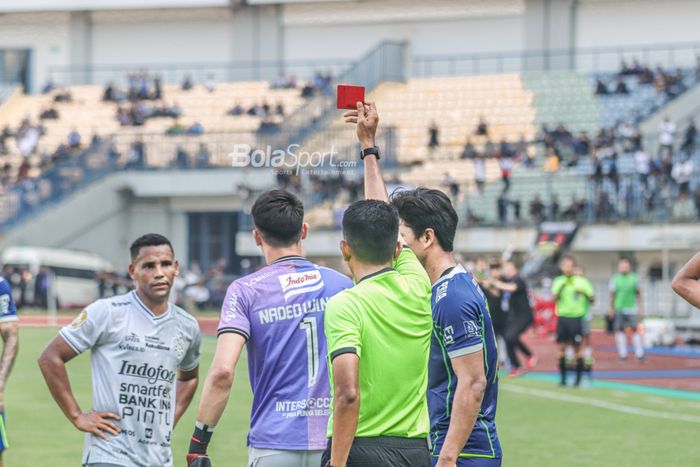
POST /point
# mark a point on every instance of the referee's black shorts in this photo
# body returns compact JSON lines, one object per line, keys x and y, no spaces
{"x":385,"y":451}
{"x":570,"y":330}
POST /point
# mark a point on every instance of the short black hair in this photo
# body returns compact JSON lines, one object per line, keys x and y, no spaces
{"x":427,"y":208}
{"x":371,"y":228}
{"x":150,"y":239}
{"x":278,"y":215}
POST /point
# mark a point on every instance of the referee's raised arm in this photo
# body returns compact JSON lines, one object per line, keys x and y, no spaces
{"x":367,"y":120}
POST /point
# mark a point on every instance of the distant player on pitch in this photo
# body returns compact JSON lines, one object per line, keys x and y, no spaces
{"x":10,"y":338}
{"x":626,"y":309}
{"x":278,"y":314}
{"x":145,"y":360}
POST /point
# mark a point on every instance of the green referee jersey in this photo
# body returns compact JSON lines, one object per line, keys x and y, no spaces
{"x":625,"y":287}
{"x":386,"y":320}
{"x":573,"y":295}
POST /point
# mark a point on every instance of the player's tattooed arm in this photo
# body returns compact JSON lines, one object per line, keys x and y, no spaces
{"x":367,"y":120}
{"x":186,"y":386}
{"x":471,"y":385}
{"x":10,"y":338}
{"x":686,"y":285}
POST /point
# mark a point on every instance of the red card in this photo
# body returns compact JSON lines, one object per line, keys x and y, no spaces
{"x":349,"y":96}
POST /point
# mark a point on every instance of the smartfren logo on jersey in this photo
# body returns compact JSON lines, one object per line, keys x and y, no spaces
{"x":298,"y":283}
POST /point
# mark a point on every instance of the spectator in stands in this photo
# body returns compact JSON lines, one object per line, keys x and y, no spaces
{"x":209,"y":83}
{"x":646,"y":76}
{"x":621,"y":87}
{"x":450,"y":182}
{"x":307,"y":91}
{"x":74,"y":139}
{"x":551,"y":160}
{"x":123,"y":116}
{"x":187,"y":83}
{"x":157,"y":88}
{"x":502,"y":207}
{"x":195,"y":129}
{"x":63,"y":95}
{"x":176,"y":129}
{"x":517,"y":207}
{"x":682,"y":174}
{"x":182,"y":159}
{"x":554,"y":208}
{"x":482,"y":128}
{"x":505,"y":163}
{"x":202,"y":160}
{"x":433,"y":133}
{"x":48,"y":87}
{"x":575,"y":210}
{"x":480,"y":172}
{"x":136,"y":157}
{"x":49,"y":114}
{"x":236,"y":110}
{"x":600,"y":88}
{"x":691,"y":134}
{"x":108,"y":94}
{"x":667,"y":134}
{"x":604,"y":210}
{"x":642,"y":164}
{"x":537,"y":210}
{"x":468,"y":152}
{"x":279,"y":109}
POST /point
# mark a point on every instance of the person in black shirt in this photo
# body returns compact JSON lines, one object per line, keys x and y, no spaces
{"x":515,"y":302}
{"x":493,"y":299}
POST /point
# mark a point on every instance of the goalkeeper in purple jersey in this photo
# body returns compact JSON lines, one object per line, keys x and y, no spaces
{"x":277,"y":313}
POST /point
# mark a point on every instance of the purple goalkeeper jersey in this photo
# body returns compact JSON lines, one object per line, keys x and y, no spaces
{"x":279,"y":310}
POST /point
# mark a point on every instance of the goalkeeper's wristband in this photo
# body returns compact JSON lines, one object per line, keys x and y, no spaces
{"x":200,"y":438}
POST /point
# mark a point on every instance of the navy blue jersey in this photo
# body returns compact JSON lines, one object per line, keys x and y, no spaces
{"x":461,"y":326}
{"x":8,"y":310}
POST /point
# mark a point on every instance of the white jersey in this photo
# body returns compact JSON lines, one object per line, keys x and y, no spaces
{"x":135,"y":357}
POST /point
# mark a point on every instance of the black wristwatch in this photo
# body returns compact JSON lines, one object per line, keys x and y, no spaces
{"x":366,"y":152}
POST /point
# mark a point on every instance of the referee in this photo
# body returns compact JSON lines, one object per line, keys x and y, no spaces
{"x":378,"y":332}
{"x":572,"y":294}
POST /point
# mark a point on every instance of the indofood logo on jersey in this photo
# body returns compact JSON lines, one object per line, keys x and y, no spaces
{"x":298,"y":283}
{"x":150,"y":373}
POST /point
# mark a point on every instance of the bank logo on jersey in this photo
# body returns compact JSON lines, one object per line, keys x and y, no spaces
{"x":79,"y":320}
{"x":298,"y":283}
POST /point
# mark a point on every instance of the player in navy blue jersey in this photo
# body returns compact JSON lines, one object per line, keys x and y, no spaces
{"x":463,"y":368}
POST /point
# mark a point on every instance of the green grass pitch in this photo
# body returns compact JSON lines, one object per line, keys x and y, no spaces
{"x":538,"y":423}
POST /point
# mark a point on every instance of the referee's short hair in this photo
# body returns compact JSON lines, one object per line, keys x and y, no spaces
{"x":371,"y":229}
{"x":427,"y":208}
{"x":278,"y":216}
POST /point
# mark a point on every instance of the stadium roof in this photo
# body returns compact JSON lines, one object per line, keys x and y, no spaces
{"x":9,"y":6}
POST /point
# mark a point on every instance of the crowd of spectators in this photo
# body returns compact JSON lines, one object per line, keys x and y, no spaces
{"x":670,"y":84}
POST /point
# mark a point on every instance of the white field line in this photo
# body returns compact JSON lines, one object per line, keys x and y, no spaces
{"x":543,"y":393}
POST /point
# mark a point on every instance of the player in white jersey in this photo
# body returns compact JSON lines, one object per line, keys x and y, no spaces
{"x":145,"y":360}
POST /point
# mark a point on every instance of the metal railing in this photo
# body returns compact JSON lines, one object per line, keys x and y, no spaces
{"x":588,"y":60}
{"x":175,"y":73}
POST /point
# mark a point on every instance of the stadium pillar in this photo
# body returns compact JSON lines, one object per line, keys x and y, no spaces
{"x":550,"y":34}
{"x":80,"y":51}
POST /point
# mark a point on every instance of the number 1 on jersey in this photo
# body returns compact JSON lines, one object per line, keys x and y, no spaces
{"x":309,"y":325}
